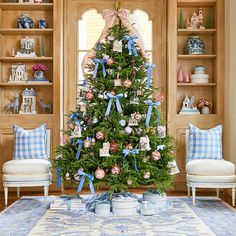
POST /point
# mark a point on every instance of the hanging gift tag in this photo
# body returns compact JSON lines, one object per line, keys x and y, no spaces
{"x":161,"y":131}
{"x":104,"y":151}
{"x":117,"y":82}
{"x":144,"y":143}
{"x":133,"y":121}
{"x":139,"y":92}
{"x":76,"y":132}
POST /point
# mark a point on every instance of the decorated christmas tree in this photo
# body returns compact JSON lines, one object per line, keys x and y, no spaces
{"x":116,"y":136}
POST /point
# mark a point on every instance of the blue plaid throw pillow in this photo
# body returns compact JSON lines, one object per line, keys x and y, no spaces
{"x":30,"y":144}
{"x":204,"y":144}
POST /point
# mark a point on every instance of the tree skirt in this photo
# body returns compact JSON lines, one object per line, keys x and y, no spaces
{"x":29,"y":216}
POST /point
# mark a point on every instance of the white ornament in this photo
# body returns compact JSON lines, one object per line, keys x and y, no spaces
{"x":117,"y":46}
{"x":128,"y":130}
{"x":76,"y":133}
{"x":133,"y":121}
{"x":146,"y":175}
{"x":144,"y":143}
{"x":173,"y":167}
{"x":161,"y":131}
{"x":104,"y":151}
{"x":87,"y":142}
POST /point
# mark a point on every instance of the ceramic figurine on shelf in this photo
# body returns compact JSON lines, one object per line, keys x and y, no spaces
{"x":25,"y":22}
{"x":27,"y":48}
{"x":180,"y":77}
{"x":13,"y":105}
{"x":42,"y":24}
{"x":45,"y":106}
{"x":28,"y":105}
{"x":189,"y":106}
{"x":18,"y":74}
{"x":194,"y":21}
{"x":39,"y":73}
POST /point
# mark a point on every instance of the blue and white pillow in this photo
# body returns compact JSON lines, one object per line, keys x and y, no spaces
{"x":205,"y":144}
{"x":30,"y":144}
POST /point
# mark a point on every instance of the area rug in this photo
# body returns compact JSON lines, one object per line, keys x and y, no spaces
{"x":210,"y":216}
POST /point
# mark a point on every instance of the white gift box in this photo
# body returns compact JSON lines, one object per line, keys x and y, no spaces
{"x":160,"y":200}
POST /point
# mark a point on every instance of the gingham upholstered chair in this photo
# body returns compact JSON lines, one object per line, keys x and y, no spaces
{"x":207,"y":172}
{"x":28,"y":171}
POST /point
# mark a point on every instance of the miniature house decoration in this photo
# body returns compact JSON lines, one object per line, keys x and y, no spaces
{"x":104,"y":151}
{"x":18,"y":74}
{"x":189,"y":106}
{"x":133,"y":121}
{"x":27,"y":48}
{"x":144,"y":143}
{"x":196,"y":21}
{"x":28,"y":105}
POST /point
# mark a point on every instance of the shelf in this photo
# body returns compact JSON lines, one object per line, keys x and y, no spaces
{"x":16,"y":31}
{"x":25,"y":84}
{"x":194,"y":3}
{"x":196,"y":84}
{"x":196,"y":31}
{"x":196,"y":57}
{"x":33,"y":59}
{"x":26,"y":6}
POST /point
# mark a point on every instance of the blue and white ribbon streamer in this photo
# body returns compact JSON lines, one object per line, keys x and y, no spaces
{"x":59,"y":177}
{"x":112,"y":97}
{"x":74,"y":117}
{"x":149,"y":73}
{"x":80,"y":144}
{"x":149,"y":112}
{"x":90,"y":179}
{"x":131,"y":46}
{"x":127,"y":152}
{"x":97,"y":62}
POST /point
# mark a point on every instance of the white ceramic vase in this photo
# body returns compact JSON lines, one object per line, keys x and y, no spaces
{"x":205,"y":110}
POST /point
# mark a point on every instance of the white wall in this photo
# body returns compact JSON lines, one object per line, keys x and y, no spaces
{"x":230,"y":79}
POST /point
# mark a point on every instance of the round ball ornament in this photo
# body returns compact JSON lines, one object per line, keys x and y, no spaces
{"x":99,"y":173}
{"x":128,"y":130}
{"x":129,"y":182}
{"x":110,"y":61}
{"x":127,"y":83}
{"x":129,"y":146}
{"x":67,"y":176}
{"x":76,"y":177}
{"x":115,"y":170}
{"x":89,"y":96}
{"x":100,"y":136}
{"x":146,"y":175}
{"x":122,"y":122}
{"x":114,"y":147}
{"x":156,"y":155}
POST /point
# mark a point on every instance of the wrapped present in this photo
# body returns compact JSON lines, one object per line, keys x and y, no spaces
{"x":102,"y":207}
{"x":160,"y":199}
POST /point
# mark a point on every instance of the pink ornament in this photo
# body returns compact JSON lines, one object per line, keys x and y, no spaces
{"x":186,"y":78}
{"x":64,"y":140}
{"x":180,"y":78}
{"x":100,"y":135}
{"x":110,"y":61}
{"x":129,"y":182}
{"x":127,"y":83}
{"x":89,"y":95}
{"x":99,"y":173}
{"x":146,"y":175}
{"x":77,"y":177}
{"x":115,"y":170}
{"x":156,"y":155}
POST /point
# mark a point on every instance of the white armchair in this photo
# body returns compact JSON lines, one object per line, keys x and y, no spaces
{"x":28,"y":173}
{"x":209,"y":174}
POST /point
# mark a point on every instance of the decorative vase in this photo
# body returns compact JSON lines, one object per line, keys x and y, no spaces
{"x":195,"y":46}
{"x":25,"y":22}
{"x":205,"y":110}
{"x":39,"y":75}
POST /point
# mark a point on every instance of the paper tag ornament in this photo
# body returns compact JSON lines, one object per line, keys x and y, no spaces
{"x":87,"y":143}
{"x":117,"y":46}
{"x":144,"y":143}
{"x":82,"y":107}
{"x":117,"y":82}
{"x":76,"y":133}
{"x":139,"y":92}
{"x":172,"y":165}
{"x":161,"y":131}
{"x":104,"y":151}
{"x":133,"y":121}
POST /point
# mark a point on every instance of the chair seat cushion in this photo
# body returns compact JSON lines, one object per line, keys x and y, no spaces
{"x":27,"y":178}
{"x":210,"y":167}
{"x":212,"y":179}
{"x":28,"y":166}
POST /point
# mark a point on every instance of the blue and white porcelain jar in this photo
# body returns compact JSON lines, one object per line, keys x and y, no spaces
{"x":195,"y":46}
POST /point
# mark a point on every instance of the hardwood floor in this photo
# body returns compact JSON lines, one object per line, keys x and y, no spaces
{"x":12,"y":195}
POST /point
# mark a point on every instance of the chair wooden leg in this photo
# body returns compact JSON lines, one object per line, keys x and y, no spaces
{"x":233,"y":196}
{"x":218,"y":192}
{"x":45,"y":192}
{"x":194,"y":194}
{"x":18,"y":191}
{"x":188,"y":191}
{"x":6,"y":195}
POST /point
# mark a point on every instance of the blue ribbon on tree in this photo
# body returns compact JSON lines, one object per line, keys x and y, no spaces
{"x":131,"y":46}
{"x":97,"y":62}
{"x":112,"y":97}
{"x":149,"y":112}
{"x":90,"y":179}
{"x":80,"y":144}
{"x":126,"y":152}
{"x":74,"y":117}
{"x":149,"y":73}
{"x":58,"y":173}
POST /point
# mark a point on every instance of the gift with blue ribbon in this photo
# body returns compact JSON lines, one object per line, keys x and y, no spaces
{"x":112,"y":97}
{"x":149,"y":112}
{"x":90,"y":179}
{"x":79,"y":142}
{"x":131,"y":47}
{"x":59,"y":177}
{"x":97,"y":62}
{"x":127,"y":152}
{"x":149,"y":73}
{"x":73,"y":117}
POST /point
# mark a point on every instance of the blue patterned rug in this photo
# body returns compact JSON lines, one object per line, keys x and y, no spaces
{"x":30,"y":216}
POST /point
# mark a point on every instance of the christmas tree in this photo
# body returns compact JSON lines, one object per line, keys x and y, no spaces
{"x":116,"y":135}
